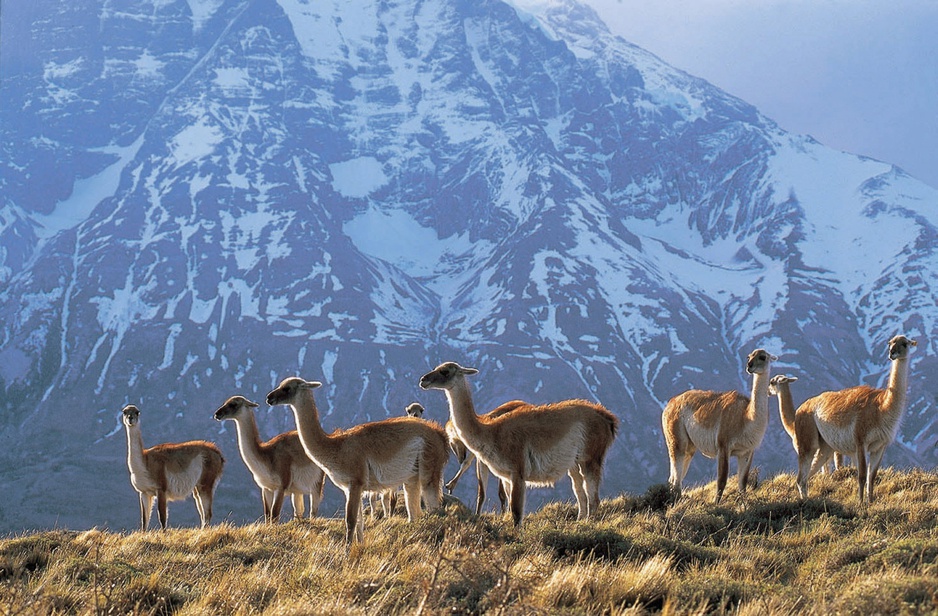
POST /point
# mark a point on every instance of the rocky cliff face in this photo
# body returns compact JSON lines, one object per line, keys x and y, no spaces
{"x":202,"y":197}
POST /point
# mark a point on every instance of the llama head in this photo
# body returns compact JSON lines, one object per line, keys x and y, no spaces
{"x":130,"y":415}
{"x":779,"y":379}
{"x":234,"y":406}
{"x":289,"y":389}
{"x":759,"y":361}
{"x":899,"y":347}
{"x":414,"y":409}
{"x":445,"y":376}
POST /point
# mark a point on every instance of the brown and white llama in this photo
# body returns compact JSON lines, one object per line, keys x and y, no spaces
{"x":280,"y":466}
{"x":170,"y":471}
{"x":533,"y":445}
{"x":389,"y":497}
{"x":720,"y":425}
{"x":371,"y":457}
{"x":466,"y":458}
{"x":859,"y":421}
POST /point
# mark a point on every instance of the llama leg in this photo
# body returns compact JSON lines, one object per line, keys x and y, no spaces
{"x":146,"y":506}
{"x":723,"y":471}
{"x":821,"y":458}
{"x":276,"y":506}
{"x":412,"y":499}
{"x":804,"y":472}
{"x":207,"y":494}
{"x":743,"y":466}
{"x":861,"y":471}
{"x":876,"y":456}
{"x":315,"y":497}
{"x":386,"y":503}
{"x":299,"y":505}
{"x":161,"y":509}
{"x":582,"y":502}
{"x":685,"y":465}
{"x":482,"y":478}
{"x":676,"y":474}
{"x":516,"y":495}
{"x":353,"y":506}
{"x":591,"y":478}
{"x":502,"y":496}
{"x":199,"y":506}
{"x":463,"y":467}
{"x":267,"y":498}
{"x":432,"y":493}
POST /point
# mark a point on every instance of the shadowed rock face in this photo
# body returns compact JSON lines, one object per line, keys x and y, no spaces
{"x":247,"y":191}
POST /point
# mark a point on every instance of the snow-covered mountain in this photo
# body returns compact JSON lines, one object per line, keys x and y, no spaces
{"x":201,"y":197}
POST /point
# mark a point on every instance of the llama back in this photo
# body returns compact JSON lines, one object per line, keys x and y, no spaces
{"x":707,"y":408}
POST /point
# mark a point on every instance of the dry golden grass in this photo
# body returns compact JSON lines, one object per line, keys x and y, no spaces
{"x":768,"y":554}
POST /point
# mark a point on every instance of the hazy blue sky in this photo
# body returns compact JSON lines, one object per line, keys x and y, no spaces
{"x":857,"y":75}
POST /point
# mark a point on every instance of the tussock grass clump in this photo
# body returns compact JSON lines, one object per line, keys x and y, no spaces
{"x":767,"y":553}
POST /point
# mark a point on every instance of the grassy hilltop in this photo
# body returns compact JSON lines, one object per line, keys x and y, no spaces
{"x":769,"y":554}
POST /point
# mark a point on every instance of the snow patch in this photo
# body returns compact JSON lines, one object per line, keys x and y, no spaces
{"x":194,"y":142}
{"x":838,"y":229}
{"x":232,"y":79}
{"x":87,"y":193}
{"x":396,"y":237}
{"x":358,"y":177}
{"x":202,"y":11}
{"x":148,"y":66}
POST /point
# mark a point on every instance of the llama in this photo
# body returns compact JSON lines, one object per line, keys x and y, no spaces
{"x":389,"y":497}
{"x":466,"y":458}
{"x":533,"y":445}
{"x":859,"y":421}
{"x":371,"y":457}
{"x":720,"y":425}
{"x":780,"y":386}
{"x":170,"y":471}
{"x":279,"y":466}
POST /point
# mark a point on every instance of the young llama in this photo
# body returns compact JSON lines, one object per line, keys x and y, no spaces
{"x":859,"y":421}
{"x":720,"y":425}
{"x":170,"y":471}
{"x":533,"y":445}
{"x":371,"y":457}
{"x":280,"y":466}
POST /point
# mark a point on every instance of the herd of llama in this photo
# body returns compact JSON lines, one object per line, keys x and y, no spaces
{"x":522,"y":444}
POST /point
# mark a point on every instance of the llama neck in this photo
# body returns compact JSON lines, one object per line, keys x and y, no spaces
{"x":786,"y":408}
{"x":249,"y":442}
{"x":135,"y":460}
{"x":464,"y":414}
{"x":314,"y":438}
{"x":758,"y":410}
{"x":897,"y":390}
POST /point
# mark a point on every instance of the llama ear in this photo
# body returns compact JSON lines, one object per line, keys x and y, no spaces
{"x":913,"y":343}
{"x":773,"y":357}
{"x":313,"y":384}
{"x":468,"y":370}
{"x":792,"y":378}
{"x":253,"y":405}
